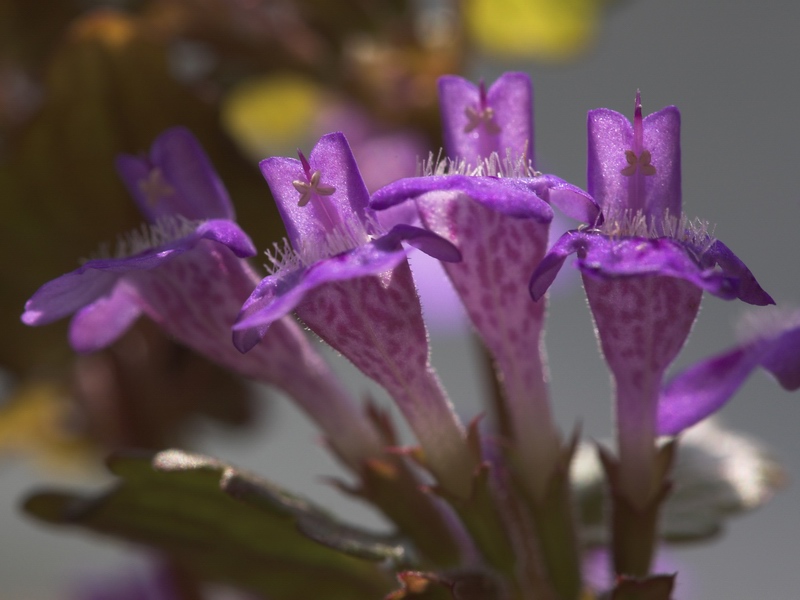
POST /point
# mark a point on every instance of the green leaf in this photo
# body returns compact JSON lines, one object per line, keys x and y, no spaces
{"x":228,"y":526}
{"x":717,"y":474}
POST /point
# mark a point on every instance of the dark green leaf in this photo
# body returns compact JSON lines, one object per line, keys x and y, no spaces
{"x":228,"y":526}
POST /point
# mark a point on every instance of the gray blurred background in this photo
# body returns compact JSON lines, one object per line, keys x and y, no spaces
{"x":732,"y":69}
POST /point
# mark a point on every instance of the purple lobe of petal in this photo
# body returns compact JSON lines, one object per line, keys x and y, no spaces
{"x":64,"y":295}
{"x":310,"y":224}
{"x":569,"y":199}
{"x":607,"y":258}
{"x":703,"y":389}
{"x":513,"y":197}
{"x":227,"y":233}
{"x":189,"y":186}
{"x":424,"y":240}
{"x":102,"y":322}
{"x":707,"y":386}
{"x":748,"y":288}
{"x":783,"y":359}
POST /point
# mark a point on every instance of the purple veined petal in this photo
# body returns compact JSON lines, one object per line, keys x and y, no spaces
{"x":102,"y":322}
{"x":279,"y":294}
{"x":509,"y":196}
{"x":472,"y":132}
{"x":176,"y":179}
{"x":748,"y":288}
{"x":423,"y":240}
{"x":343,"y":207}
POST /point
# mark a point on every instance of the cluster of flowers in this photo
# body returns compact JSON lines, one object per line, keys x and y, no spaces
{"x":496,"y":496}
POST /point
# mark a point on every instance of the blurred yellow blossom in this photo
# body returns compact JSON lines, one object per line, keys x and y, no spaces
{"x":543,"y":29}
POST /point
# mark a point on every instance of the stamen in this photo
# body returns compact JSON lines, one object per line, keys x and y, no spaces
{"x":481,"y":114}
{"x":492,"y":166}
{"x":313,"y":186}
{"x":283,"y":257}
{"x":695,"y":233}
{"x":640,"y":163}
{"x":154,"y":187}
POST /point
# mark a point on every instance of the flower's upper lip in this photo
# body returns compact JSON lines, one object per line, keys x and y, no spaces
{"x":611,"y":138}
{"x":187,"y":182}
{"x":510,"y":103}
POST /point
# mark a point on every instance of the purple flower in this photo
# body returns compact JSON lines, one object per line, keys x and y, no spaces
{"x":634,"y":175}
{"x":477,"y":123}
{"x":349,"y":281}
{"x":497,"y":212}
{"x":644,"y":267}
{"x":185,"y":271}
{"x":772,"y":342}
